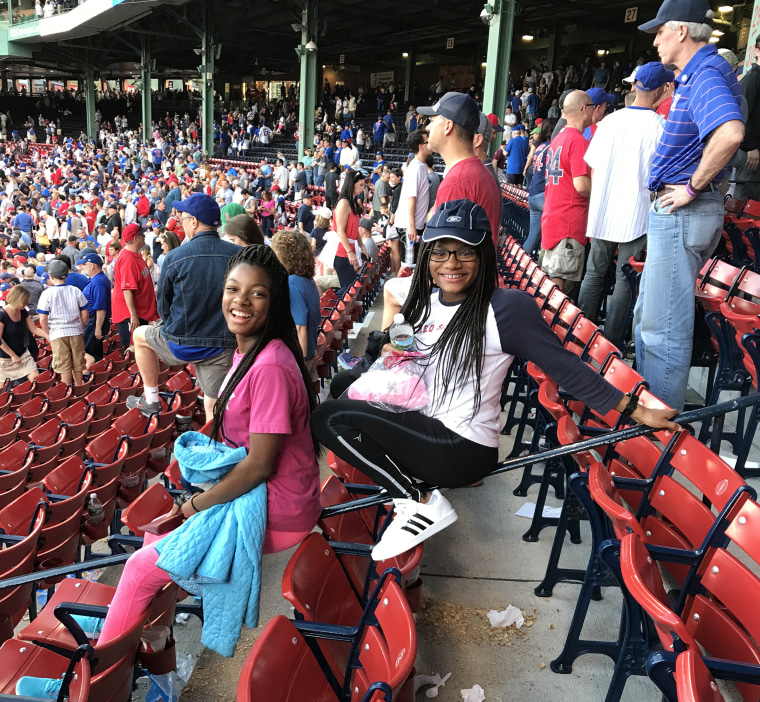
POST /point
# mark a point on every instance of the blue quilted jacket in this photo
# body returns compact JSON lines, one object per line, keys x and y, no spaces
{"x":217,"y":552}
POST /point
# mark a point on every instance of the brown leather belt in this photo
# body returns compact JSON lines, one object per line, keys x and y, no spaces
{"x":710,"y":187}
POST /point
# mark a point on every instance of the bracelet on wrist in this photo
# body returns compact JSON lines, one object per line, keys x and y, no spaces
{"x":192,"y":503}
{"x":691,"y":190}
{"x":633,"y":403}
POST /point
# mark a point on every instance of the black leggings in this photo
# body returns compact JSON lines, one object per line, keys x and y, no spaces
{"x":396,"y":449}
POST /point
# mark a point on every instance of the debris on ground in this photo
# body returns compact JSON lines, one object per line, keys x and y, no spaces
{"x":467,"y":625}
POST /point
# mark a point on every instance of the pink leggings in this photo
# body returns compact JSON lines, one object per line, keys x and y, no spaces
{"x":142,"y":579}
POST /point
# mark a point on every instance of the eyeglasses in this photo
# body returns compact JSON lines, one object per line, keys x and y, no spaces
{"x":461,"y":255}
{"x":588,"y":104}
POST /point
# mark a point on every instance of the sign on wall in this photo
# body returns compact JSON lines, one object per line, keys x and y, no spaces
{"x":383,"y":78}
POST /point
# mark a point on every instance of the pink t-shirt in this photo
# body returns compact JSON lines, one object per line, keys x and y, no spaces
{"x":272,"y":399}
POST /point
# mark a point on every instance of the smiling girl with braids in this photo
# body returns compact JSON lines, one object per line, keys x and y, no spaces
{"x":265,"y":404}
{"x":468,"y":331}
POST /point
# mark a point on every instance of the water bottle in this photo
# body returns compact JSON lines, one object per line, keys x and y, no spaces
{"x":401,"y":333}
{"x":94,"y":509}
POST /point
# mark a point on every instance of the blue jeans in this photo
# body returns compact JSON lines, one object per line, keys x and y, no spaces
{"x":592,"y":287}
{"x":533,"y":242}
{"x":678,"y":245}
{"x":319,"y":180}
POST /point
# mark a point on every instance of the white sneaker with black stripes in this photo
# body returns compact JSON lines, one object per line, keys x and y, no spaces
{"x":414,"y":522}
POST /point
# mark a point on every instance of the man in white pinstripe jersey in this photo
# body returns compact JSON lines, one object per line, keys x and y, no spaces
{"x":620,"y":156}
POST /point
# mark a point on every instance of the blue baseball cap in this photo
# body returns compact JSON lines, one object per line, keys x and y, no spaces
{"x":202,"y":207}
{"x":678,"y":11}
{"x":90,"y":258}
{"x":598,"y":96}
{"x":651,"y":76}
{"x":460,"y":108}
{"x":462,"y":220}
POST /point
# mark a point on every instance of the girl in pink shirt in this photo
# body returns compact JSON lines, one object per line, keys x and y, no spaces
{"x":265,"y":404}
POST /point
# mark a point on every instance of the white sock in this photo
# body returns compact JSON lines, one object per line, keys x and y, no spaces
{"x":151,"y":395}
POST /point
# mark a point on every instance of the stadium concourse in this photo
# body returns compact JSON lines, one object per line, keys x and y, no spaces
{"x":211,"y":213}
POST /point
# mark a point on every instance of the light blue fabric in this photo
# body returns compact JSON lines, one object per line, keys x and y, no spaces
{"x":217,"y":552}
{"x":678,"y":245}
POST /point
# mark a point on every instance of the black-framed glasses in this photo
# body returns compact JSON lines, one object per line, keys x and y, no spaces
{"x":461,"y":255}
{"x":588,"y":104}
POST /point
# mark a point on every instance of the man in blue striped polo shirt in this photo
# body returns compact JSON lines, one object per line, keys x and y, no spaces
{"x":703,"y":131}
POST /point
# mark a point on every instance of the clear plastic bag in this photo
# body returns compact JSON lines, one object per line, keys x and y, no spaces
{"x":394,"y":383}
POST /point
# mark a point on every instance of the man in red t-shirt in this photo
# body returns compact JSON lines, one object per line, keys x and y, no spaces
{"x":568,"y":186}
{"x":451,"y":132}
{"x":134,"y":299}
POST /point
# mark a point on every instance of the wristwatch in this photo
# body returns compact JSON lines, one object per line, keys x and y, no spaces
{"x":633,"y":403}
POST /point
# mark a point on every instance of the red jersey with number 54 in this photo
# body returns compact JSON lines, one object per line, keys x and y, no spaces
{"x":565,"y":210}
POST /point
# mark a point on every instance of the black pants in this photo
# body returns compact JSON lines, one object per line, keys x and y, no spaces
{"x":346,"y":273}
{"x":397,"y":449}
{"x":125,"y":335}
{"x":92,"y":345}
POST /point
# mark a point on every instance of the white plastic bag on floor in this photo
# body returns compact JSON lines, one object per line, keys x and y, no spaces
{"x":474,"y":694}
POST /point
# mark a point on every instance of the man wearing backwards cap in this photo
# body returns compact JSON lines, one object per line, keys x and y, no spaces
{"x":190,"y":303}
{"x":451,"y":133}
{"x":701,"y":135}
{"x":134,"y":300}
{"x":620,"y":156}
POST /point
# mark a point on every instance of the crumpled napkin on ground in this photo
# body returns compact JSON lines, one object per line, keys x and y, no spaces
{"x":529,"y":509}
{"x":511,"y":615}
{"x":435,"y":680}
{"x":474,"y":694}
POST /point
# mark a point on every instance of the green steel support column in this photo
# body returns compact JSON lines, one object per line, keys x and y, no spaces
{"x":411,"y":62}
{"x":89,"y":99}
{"x":496,"y":89}
{"x":145,"y":75}
{"x":207,"y":79}
{"x":309,"y":86}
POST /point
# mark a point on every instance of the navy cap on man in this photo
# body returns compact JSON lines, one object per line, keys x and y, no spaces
{"x":460,"y":108}
{"x":202,"y":207}
{"x":678,"y":11}
{"x":651,"y":76}
{"x":462,"y":220}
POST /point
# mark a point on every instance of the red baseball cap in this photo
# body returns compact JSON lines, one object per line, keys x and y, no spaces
{"x":130,"y":232}
{"x":495,"y":124}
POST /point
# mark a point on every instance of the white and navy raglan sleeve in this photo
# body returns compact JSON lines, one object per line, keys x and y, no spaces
{"x":524,"y":333}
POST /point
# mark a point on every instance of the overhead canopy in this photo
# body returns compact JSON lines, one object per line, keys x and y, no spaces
{"x":259,"y":38}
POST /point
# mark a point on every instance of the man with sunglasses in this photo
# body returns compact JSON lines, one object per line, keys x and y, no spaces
{"x":568,"y":186}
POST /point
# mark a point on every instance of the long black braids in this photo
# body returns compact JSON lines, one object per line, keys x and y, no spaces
{"x":460,"y":347}
{"x":279,"y":325}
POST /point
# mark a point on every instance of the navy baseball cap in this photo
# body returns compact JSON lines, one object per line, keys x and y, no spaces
{"x":460,"y":108}
{"x":90,"y":258}
{"x":202,"y":207}
{"x":598,"y":96}
{"x":462,"y":220}
{"x":652,"y":75}
{"x":678,"y":11}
